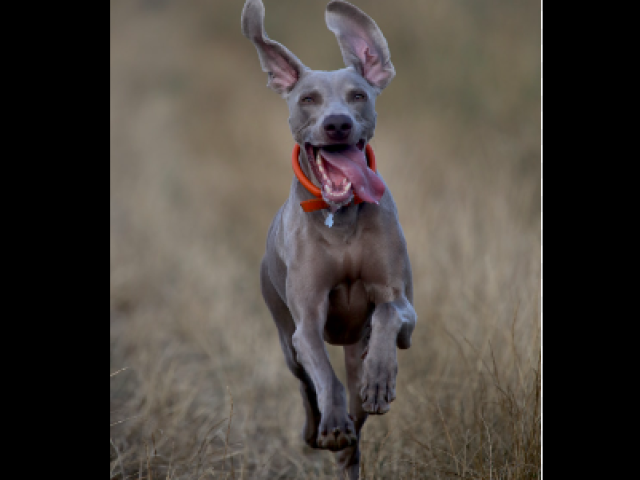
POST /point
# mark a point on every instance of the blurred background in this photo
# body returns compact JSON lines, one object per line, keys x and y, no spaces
{"x":199,"y":165}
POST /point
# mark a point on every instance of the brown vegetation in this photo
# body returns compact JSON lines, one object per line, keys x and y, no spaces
{"x":199,"y":166}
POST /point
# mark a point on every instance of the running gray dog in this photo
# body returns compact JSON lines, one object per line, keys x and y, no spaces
{"x":336,"y":268}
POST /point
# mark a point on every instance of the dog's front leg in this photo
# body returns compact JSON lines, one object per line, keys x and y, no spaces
{"x":391,"y":326}
{"x":336,"y":430}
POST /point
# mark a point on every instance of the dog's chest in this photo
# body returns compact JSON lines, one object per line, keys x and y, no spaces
{"x":348,"y":313}
{"x":349,"y":304}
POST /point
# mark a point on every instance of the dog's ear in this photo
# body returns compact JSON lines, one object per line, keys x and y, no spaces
{"x":362,"y":44}
{"x":282,"y":66}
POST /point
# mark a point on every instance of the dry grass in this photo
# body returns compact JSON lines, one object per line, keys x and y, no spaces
{"x":199,"y":165}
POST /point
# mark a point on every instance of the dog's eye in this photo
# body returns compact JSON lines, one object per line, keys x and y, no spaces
{"x":308,"y":99}
{"x":359,"y":96}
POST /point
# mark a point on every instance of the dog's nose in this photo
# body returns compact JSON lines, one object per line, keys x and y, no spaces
{"x":337,"y":127}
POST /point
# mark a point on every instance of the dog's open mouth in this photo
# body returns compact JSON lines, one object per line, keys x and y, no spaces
{"x":342,"y":171}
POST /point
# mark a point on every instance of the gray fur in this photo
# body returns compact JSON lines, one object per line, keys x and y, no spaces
{"x":346,"y":285}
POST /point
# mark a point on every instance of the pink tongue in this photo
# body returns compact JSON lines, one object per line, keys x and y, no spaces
{"x":353,"y":165}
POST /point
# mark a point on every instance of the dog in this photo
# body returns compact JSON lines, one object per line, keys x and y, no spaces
{"x":336,"y":267}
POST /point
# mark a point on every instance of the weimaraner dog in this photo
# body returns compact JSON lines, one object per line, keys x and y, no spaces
{"x":338,"y":273}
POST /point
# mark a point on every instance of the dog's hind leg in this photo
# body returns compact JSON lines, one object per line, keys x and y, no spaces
{"x":348,"y":460}
{"x":286,"y":328}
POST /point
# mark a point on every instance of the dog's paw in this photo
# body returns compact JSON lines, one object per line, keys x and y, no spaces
{"x":336,"y":430}
{"x":378,"y":385}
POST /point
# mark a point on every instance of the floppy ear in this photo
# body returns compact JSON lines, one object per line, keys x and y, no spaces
{"x":362,"y":44}
{"x":282,"y":66}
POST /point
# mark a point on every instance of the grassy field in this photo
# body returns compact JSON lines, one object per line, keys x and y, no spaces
{"x":200,"y":164}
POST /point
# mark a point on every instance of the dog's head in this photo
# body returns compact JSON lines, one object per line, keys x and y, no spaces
{"x":331,"y":114}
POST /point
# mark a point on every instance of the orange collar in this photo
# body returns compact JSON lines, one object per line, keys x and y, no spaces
{"x":318,"y":203}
